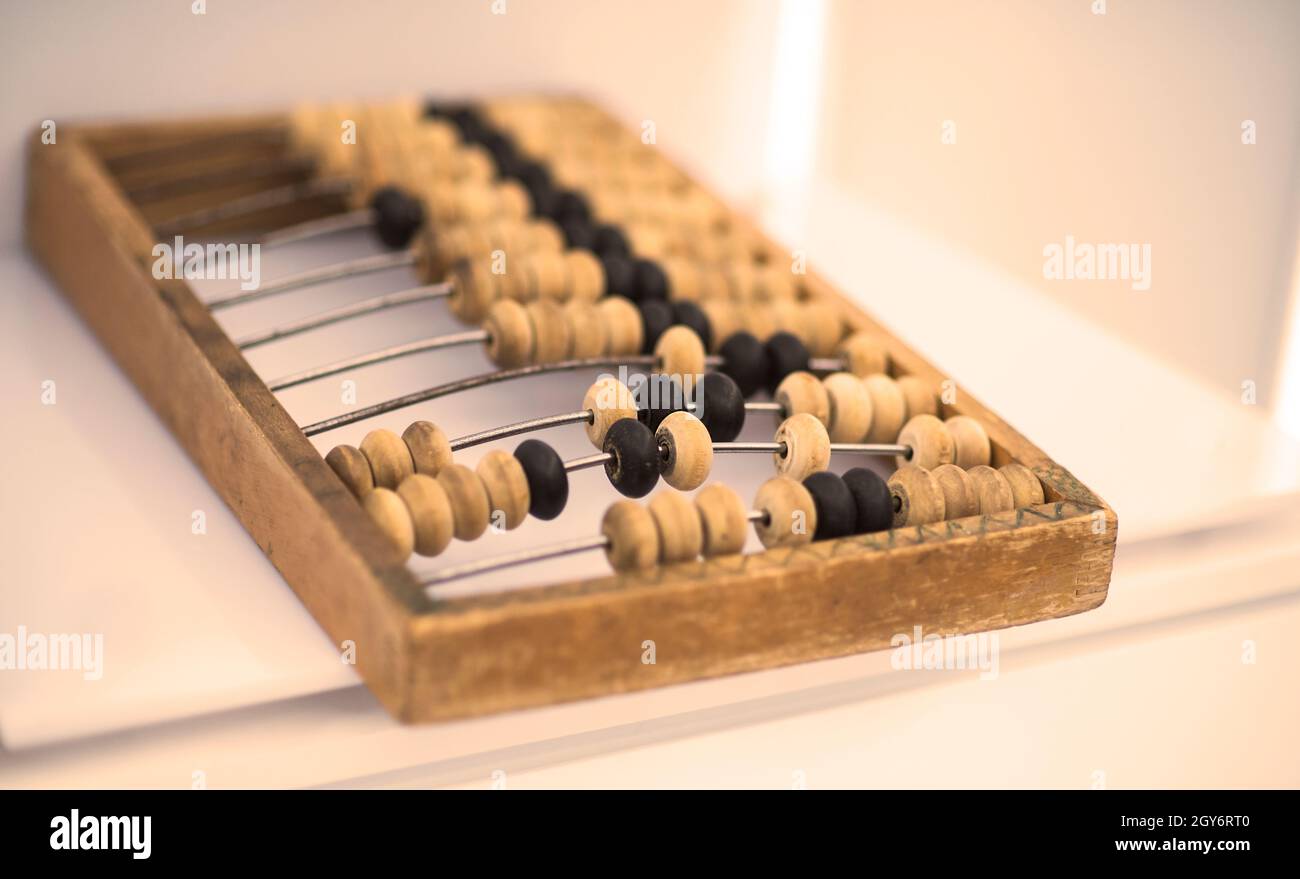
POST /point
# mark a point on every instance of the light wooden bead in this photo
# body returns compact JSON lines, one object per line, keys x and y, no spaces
{"x":758,"y":320}
{"x":586,"y":275}
{"x":1026,"y":490}
{"x":552,"y":339}
{"x":807,"y":447}
{"x":888,"y":408}
{"x":803,"y":392}
{"x":775,"y":283}
{"x":512,"y":200}
{"x":971,"y":441}
{"x":959,"y":497}
{"x":507,"y":487}
{"x":920,"y":396}
{"x":918,"y":497}
{"x":683,"y":279}
{"x":390,"y":459}
{"x":724,"y":321}
{"x":790,"y":317}
{"x":930,"y":440}
{"x":545,"y":235}
{"x":824,"y":329}
{"x":609,"y":400}
{"x":353,"y":468}
{"x":431,"y":514}
{"x":680,"y":353}
{"x":586,"y":329}
{"x":510,"y":334}
{"x":863,"y":355}
{"x":429,"y":447}
{"x":622,"y":325}
{"x":850,"y":407}
{"x":473,"y":291}
{"x":389,"y":512}
{"x":633,"y":537}
{"x":689,"y":451}
{"x":680,"y":535}
{"x":549,"y":276}
{"x":791,"y":515}
{"x":469,"y":500}
{"x":992,"y":489}
{"x":724,"y":520}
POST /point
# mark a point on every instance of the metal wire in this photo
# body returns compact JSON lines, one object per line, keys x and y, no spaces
{"x":196,"y":147}
{"x":381,"y":356}
{"x":496,"y":433}
{"x":467,"y":384}
{"x":589,"y":461}
{"x":242,"y":173}
{"x":426,"y":293}
{"x":353,"y":268}
{"x":345,"y":222}
{"x":523,"y":557}
{"x":251,"y":204}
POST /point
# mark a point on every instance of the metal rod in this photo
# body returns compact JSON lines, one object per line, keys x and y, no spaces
{"x":825,"y":364}
{"x":757,"y":516}
{"x":761,"y":407}
{"x":723,"y":448}
{"x":385,"y":354}
{"x":426,"y":293}
{"x":523,"y":557}
{"x":849,"y":448}
{"x":590,"y":461}
{"x":469,"y":384}
{"x":496,"y":433}
{"x":196,"y":147}
{"x":251,"y":204}
{"x":242,"y":173}
{"x":353,"y":268}
{"x":345,"y":222}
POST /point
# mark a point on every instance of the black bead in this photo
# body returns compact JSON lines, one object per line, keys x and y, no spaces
{"x":397,"y":216}
{"x":785,"y":354}
{"x":570,"y":205}
{"x":721,"y":406}
{"x":619,"y":276}
{"x":745,"y":359}
{"x":609,"y":241}
{"x":531,"y":174}
{"x":657,"y":396}
{"x":871,"y":498}
{"x":656,"y":317}
{"x":651,"y":282}
{"x":504,"y":155}
{"x":548,"y":481}
{"x":689,"y":314}
{"x":434,"y":109}
{"x":543,"y":197}
{"x":579,"y":234}
{"x":634,"y":468}
{"x":837,"y":513}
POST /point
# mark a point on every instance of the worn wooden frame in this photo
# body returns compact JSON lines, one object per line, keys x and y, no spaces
{"x":432,"y":659}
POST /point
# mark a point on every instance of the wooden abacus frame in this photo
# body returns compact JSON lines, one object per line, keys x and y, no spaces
{"x":431,"y":659}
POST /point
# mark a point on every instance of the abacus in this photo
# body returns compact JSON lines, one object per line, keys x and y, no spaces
{"x":618,"y":258}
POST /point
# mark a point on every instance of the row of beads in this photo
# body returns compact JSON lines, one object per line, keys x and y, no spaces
{"x":421,"y":499}
{"x":922,"y":495}
{"x":541,"y":270}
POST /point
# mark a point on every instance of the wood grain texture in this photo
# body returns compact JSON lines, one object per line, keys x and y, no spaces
{"x":429,"y":660}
